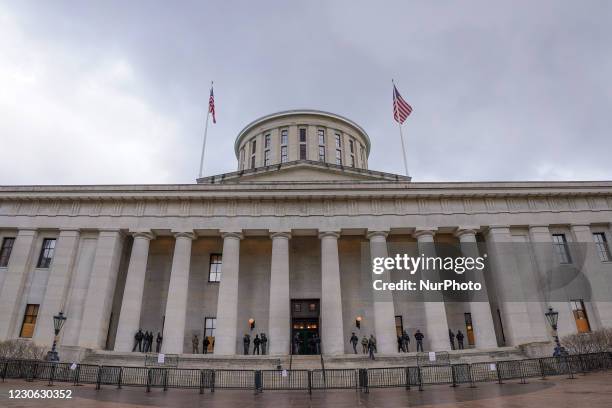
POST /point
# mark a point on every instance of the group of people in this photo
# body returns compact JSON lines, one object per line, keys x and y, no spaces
{"x":312,"y":345}
{"x":403,"y":341}
{"x":459,"y":336}
{"x":143,"y":341}
{"x":260,"y":344}
{"x":195,"y":343}
{"x":368,"y":345}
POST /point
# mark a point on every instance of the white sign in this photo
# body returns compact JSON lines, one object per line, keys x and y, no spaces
{"x":492,"y":367}
{"x":161,"y":358}
{"x":432,"y":356}
{"x":284,"y":373}
{"x":73,"y":366}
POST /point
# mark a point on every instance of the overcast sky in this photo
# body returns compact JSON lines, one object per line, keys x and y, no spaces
{"x":116,"y":92}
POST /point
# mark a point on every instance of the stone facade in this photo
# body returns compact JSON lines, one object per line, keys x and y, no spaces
{"x":129,"y":257}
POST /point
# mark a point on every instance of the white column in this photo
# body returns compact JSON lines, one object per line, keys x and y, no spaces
{"x":131,"y":305}
{"x":502,"y":254}
{"x":384,"y":311}
{"x":482,"y":320}
{"x":227,"y":304}
{"x":332,"y":330}
{"x":102,"y":282}
{"x":14,"y":281}
{"x":541,"y":244}
{"x":279,"y":324}
{"x":598,"y":275}
{"x":436,"y":332}
{"x":58,"y":284}
{"x":176,"y":303}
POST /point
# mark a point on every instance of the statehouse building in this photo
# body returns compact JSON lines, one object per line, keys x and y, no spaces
{"x":277,"y":247}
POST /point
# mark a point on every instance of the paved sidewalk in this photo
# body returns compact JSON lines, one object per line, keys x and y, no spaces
{"x":592,"y":391}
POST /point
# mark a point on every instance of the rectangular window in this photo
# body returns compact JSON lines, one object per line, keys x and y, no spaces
{"x":302,"y":135}
{"x":242,"y":159}
{"x":363,"y":161}
{"x":267,"y":158}
{"x":469,"y":328}
{"x":600,"y":242}
{"x":284,"y":154}
{"x":321,"y":133}
{"x":352,"y":160}
{"x":352,"y":146}
{"x":267,"y":141}
{"x":46,"y":253}
{"x":284,"y":137}
{"x":210,"y":327}
{"x":338,"y":141}
{"x":339,"y":157}
{"x":29,"y":321}
{"x":302,"y":151}
{"x":561,"y":248}
{"x":253,"y":146}
{"x":399,"y":325}
{"x":214,"y":268}
{"x":322,"y":153}
{"x":5,"y":251}
{"x":580,"y":316}
{"x":253,"y":161}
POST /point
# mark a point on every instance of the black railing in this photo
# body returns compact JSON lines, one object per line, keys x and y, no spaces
{"x":263,"y":380}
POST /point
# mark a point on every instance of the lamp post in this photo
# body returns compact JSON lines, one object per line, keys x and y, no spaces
{"x":552,"y":316}
{"x":58,"y":323}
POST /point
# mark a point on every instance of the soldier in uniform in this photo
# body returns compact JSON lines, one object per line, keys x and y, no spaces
{"x":264,"y":344}
{"x":205,"y":344}
{"x":138,"y":340}
{"x":195,"y":344}
{"x":451,"y":338}
{"x":364,"y":345}
{"x":354,"y":340}
{"x":256,"y":343}
{"x":246,"y":342}
{"x":460,"y":340}
{"x":159,"y":342}
{"x":372,"y":346}
{"x":405,"y":341}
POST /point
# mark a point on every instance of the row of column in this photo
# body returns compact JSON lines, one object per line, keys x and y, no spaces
{"x":332,"y":332}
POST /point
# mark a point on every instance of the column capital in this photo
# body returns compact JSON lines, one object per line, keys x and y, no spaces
{"x":374,"y":234}
{"x":280,"y":234}
{"x":147,"y":234}
{"x":330,"y":234}
{"x":463,"y":230}
{"x":184,"y":234}
{"x":421,"y":232}
{"x":232,"y":234}
{"x":498,"y":228}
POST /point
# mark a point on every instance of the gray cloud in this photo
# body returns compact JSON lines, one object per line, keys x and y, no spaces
{"x":116,"y":92}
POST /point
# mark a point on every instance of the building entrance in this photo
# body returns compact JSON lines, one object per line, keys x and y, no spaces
{"x":305,"y":337}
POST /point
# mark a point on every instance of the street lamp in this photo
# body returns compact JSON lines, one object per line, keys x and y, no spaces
{"x":58,"y":323}
{"x":552,"y":316}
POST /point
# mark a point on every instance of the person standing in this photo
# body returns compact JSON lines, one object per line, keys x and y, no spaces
{"x":451,"y":338}
{"x":364,"y":345}
{"x":405,"y":341}
{"x":372,"y":346}
{"x":205,"y":344}
{"x":195,"y":344}
{"x":138,"y":340}
{"x":418,"y":336}
{"x":145,"y":342}
{"x":246,"y":342}
{"x":256,"y":343}
{"x":400,"y":344}
{"x":354,"y":340}
{"x":264,"y":343}
{"x":460,"y":338}
{"x":150,"y":342}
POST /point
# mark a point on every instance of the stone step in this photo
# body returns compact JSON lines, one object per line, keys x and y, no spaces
{"x":211,"y":361}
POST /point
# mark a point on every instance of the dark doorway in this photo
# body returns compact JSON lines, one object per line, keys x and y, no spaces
{"x":305,"y":326}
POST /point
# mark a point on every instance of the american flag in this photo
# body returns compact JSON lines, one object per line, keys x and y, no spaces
{"x":211,"y":104}
{"x":401,"y":108}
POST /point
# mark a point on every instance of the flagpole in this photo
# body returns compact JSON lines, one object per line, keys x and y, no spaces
{"x":205,"y":133}
{"x":401,"y":136}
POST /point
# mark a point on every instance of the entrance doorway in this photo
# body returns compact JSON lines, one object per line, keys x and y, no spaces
{"x":305,"y":326}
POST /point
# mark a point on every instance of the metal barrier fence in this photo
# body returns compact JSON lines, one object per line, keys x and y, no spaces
{"x":259,"y":380}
